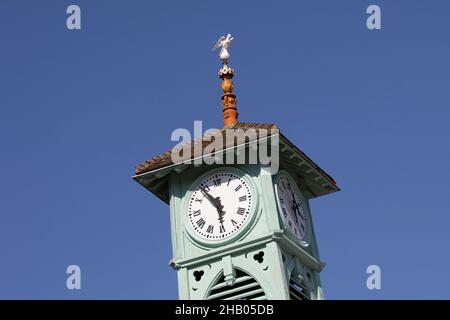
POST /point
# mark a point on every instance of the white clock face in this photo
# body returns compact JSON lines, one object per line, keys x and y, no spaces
{"x":220,"y":206}
{"x":292,"y":207}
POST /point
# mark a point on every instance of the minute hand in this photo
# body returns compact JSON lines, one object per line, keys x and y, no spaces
{"x":216,"y":203}
{"x":210,"y":198}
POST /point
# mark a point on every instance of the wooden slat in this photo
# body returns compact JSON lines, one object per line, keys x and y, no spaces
{"x":299,"y":295}
{"x":260,"y":298}
{"x":245,"y":294}
{"x":234,"y":290}
{"x":224,"y":284}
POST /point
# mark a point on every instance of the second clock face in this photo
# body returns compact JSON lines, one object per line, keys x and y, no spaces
{"x":220,"y":205}
{"x":292,"y":207}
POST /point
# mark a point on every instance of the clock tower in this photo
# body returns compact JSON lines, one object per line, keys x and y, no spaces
{"x":241,"y":226}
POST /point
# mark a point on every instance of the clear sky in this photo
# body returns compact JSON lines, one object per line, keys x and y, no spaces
{"x":79,"y":109}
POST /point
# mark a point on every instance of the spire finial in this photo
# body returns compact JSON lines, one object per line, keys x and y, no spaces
{"x":230,"y":114}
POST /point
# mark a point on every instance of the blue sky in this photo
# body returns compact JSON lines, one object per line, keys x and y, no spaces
{"x":79,"y":109}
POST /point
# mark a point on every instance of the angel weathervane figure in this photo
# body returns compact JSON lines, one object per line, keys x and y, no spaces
{"x":225,"y":43}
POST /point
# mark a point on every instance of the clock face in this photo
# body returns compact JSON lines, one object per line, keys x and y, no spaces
{"x":292,"y":208}
{"x":220,"y":205}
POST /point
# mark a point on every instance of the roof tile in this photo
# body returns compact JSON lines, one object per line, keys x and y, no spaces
{"x":165,"y":159}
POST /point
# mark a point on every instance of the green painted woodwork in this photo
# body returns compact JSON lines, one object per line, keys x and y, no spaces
{"x":263,"y":251}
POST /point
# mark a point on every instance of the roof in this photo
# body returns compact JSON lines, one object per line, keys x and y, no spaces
{"x":165,"y":159}
{"x":153,"y":173}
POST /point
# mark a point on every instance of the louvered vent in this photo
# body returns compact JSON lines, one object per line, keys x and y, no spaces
{"x":297,"y":291}
{"x":244,"y":288}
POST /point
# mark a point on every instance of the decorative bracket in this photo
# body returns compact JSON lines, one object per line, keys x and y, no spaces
{"x":228,"y":270}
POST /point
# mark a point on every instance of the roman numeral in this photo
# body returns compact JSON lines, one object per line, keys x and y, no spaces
{"x":242,"y":198}
{"x":233,"y":222}
{"x":198,"y":200}
{"x":229,"y":180}
{"x":240,"y":211}
{"x":222,"y":228}
{"x":281,"y":200}
{"x":238,"y":187}
{"x":210,"y":229}
{"x":205,"y":187}
{"x":196,"y":213}
{"x":217,"y":182}
{"x":200,"y":223}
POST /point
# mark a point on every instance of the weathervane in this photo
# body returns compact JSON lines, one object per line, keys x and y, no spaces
{"x":230,"y":114}
{"x":224,"y":43}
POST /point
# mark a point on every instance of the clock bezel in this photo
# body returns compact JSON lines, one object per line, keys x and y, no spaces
{"x":306,"y":242}
{"x":248,"y":224}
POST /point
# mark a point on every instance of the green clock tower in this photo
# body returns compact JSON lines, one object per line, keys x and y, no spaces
{"x":241,"y":226}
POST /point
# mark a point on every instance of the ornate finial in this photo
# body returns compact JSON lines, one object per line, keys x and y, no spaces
{"x":230,"y":114}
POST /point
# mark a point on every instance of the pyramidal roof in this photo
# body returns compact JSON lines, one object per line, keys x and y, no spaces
{"x":153,"y":173}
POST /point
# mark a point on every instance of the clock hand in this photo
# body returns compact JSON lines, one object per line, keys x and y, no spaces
{"x":219,"y":208}
{"x":295,"y":208}
{"x":215,"y":202}
{"x":209,"y":197}
{"x":294,"y":203}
